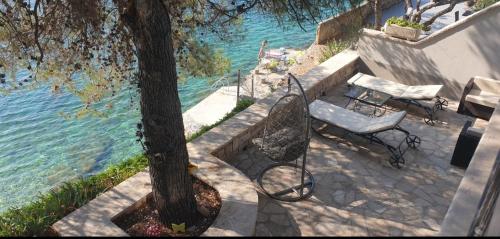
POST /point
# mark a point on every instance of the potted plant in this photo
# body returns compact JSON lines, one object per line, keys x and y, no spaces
{"x":401,"y":28}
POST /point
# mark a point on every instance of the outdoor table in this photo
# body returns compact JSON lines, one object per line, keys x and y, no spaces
{"x":358,"y":94}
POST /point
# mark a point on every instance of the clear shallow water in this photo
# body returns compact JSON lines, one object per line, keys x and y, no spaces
{"x":40,"y":149}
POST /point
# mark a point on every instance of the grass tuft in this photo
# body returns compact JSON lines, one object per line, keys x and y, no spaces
{"x":35,"y":218}
{"x":242,"y":105}
{"x":349,"y":38}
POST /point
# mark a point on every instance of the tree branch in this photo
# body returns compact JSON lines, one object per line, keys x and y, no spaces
{"x":416,"y":17}
{"x":442,"y":12}
{"x":296,"y":15}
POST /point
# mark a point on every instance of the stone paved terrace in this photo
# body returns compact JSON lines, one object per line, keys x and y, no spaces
{"x":357,"y":192}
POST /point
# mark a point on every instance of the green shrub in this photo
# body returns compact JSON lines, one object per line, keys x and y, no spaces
{"x":405,"y":23}
{"x":35,"y":218}
{"x":333,"y":48}
{"x":480,"y":4}
{"x":272,"y":65}
{"x":291,"y":61}
{"x":349,"y":38}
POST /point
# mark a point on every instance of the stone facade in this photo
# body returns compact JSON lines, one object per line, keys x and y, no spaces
{"x":461,"y":216}
{"x":334,"y":27}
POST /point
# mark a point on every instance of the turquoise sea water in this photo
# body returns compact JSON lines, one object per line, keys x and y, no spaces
{"x":40,"y":149}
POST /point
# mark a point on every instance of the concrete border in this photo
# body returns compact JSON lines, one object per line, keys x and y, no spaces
{"x":238,"y":213}
{"x":237,"y":216}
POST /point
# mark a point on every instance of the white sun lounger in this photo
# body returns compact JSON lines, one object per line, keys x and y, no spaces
{"x":405,"y":93}
{"x":365,"y":126}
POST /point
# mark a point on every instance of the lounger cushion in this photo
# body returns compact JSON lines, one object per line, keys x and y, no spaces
{"x":281,"y":145}
{"x":486,"y":84}
{"x":395,"y":89}
{"x":353,"y":121}
{"x":483,"y":98}
{"x":371,"y":82}
{"x":422,"y":92}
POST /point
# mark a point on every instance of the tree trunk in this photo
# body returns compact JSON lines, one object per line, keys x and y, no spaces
{"x":408,"y":5}
{"x":161,"y":111}
{"x":417,"y":17}
{"x":377,"y":12}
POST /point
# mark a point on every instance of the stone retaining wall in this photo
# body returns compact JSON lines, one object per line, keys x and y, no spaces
{"x":461,"y":214}
{"x":334,"y":27}
{"x":234,"y":135}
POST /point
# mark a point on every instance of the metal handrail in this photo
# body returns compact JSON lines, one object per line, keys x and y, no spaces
{"x":221,"y":82}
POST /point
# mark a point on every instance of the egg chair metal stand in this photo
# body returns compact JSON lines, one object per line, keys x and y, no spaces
{"x":285,"y":139}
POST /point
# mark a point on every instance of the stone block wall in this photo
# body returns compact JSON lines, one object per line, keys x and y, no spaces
{"x":237,"y":133}
{"x":334,"y":27}
{"x":461,"y":215}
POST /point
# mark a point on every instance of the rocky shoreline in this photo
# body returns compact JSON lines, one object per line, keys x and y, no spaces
{"x":269,"y":74}
{"x":267,"y":78}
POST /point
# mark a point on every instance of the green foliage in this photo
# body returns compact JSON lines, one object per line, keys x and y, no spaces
{"x":35,"y":218}
{"x":87,"y":47}
{"x":272,"y":65}
{"x":349,"y":38}
{"x":405,"y":23}
{"x":333,"y":48}
{"x":336,"y":46}
{"x":291,"y":61}
{"x":481,"y":4}
{"x":199,"y":64}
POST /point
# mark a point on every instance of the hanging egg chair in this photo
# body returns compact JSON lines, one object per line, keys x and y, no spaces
{"x":285,"y":141}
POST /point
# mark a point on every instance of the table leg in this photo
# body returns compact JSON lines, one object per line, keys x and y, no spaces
{"x":348,"y":102}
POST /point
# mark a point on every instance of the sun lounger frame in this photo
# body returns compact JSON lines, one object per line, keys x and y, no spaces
{"x":439,"y":103}
{"x":396,"y":152}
